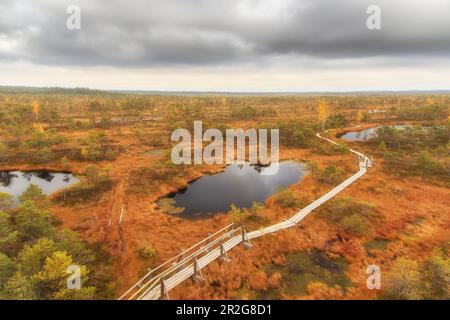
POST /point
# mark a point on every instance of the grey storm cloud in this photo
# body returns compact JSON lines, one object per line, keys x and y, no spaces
{"x":143,"y":33}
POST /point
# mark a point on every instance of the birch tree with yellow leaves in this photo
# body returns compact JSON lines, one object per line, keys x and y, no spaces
{"x":359,"y":116}
{"x":84,"y":153}
{"x":323,"y":113}
{"x":35,"y":107}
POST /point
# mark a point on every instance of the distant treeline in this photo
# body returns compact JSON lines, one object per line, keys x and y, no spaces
{"x":49,"y":90}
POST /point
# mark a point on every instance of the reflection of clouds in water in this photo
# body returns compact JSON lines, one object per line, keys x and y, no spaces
{"x":16,"y":182}
{"x":362,"y":135}
{"x":239,"y":185}
{"x":370,"y":133}
{"x":239,"y":170}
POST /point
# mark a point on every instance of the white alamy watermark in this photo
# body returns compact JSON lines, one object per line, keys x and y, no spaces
{"x":374,"y":20}
{"x":73,"y":22}
{"x":189,"y":150}
{"x":374,"y":277}
{"x":74,"y":280}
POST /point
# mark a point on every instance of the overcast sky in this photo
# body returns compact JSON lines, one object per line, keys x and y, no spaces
{"x":226,"y":45}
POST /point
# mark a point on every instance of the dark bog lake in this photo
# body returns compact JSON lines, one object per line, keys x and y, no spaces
{"x":367,"y":134}
{"x":16,"y":182}
{"x":240,"y":185}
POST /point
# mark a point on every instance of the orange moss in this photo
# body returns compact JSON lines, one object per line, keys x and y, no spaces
{"x":143,"y":223}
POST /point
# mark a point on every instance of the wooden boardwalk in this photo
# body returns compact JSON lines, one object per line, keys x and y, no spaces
{"x":158,"y":282}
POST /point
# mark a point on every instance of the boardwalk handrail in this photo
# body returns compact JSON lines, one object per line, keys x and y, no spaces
{"x":181,"y":254}
{"x":153,"y":288}
{"x":175,"y":267}
{"x":155,"y":281}
{"x":190,"y":271}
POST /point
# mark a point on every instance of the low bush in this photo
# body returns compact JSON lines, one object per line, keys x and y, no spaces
{"x":288,"y":199}
{"x":354,"y":224}
{"x":146,"y":253}
{"x":145,"y":179}
{"x":350,"y":216}
{"x":330,"y":175}
{"x":81,"y":194}
{"x":412,"y":280}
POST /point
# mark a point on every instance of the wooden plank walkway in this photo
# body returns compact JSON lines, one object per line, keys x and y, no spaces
{"x":188,"y":272}
{"x":159,"y":285}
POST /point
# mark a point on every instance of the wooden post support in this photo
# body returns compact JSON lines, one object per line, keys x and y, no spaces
{"x":245,"y":240}
{"x":231,"y":229}
{"x":197,"y":276}
{"x":164,"y":290}
{"x":180,"y":262}
{"x":207,"y":242}
{"x":361,"y":161}
{"x":223,"y":254}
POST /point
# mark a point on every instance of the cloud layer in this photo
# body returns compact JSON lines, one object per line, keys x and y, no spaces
{"x":146,"y":33}
{"x":272,"y":34}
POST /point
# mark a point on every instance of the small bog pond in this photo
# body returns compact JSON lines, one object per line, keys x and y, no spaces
{"x":240,"y":185}
{"x":367,"y":134}
{"x":16,"y":182}
{"x":303,"y":268}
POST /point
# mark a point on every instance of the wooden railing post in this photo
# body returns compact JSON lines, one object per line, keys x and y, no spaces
{"x":223,"y":253}
{"x":208,"y":242}
{"x":231,"y":229}
{"x":180,"y":262}
{"x":245,"y":240}
{"x":164,"y":290}
{"x":197,"y":276}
